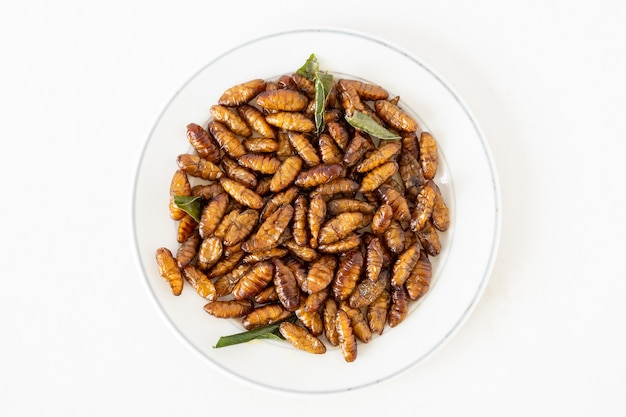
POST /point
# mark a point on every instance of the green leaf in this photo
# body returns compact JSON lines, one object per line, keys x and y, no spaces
{"x":269,"y":331}
{"x":192,"y":205}
{"x":370,"y":126}
{"x":323,"y":85}
{"x":310,"y":67}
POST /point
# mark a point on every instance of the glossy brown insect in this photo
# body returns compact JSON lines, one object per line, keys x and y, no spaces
{"x":186,"y":226}
{"x":296,"y":122}
{"x":376,"y":313}
{"x":264,"y":315}
{"x":304,"y":84}
{"x":256,"y":120}
{"x":321,"y":273}
{"x":384,"y":153}
{"x":440,"y":216}
{"x":207,"y":191}
{"x":203,"y":143}
{"x":212,"y":214}
{"x":224,"y":284}
{"x":312,"y":320}
{"x":242,"y":93}
{"x":349,"y":97}
{"x":328,"y":149}
{"x":285,"y":149}
{"x":241,"y":227}
{"x":348,"y":274}
{"x":199,"y":167}
{"x":382,"y":219}
{"x":352,"y":241}
{"x":347,"y":340}
{"x":238,"y":173}
{"x":227,"y":140}
{"x":225,"y":223}
{"x":282,"y":100}
{"x":342,"y":225}
{"x":404,"y":264}
{"x":418,"y":282}
{"x":411,"y":174}
{"x":305,"y":253}
{"x":315,"y":301}
{"x":399,"y":204}
{"x":424,"y":206}
{"x":267,"y":296}
{"x":359,"y":145}
{"x":299,"y":227}
{"x":358,"y":322}
{"x":286,"y":173}
{"x":265,"y":255}
{"x":260,"y":145}
{"x":329,"y":316}
{"x":394,"y":237}
{"x":374,"y":259}
{"x":270,"y":230}
{"x":338,"y":187}
{"x":367,"y":290}
{"x":304,"y":148}
{"x":209,"y":252}
{"x":227,"y":309}
{"x":200,"y":282}
{"x":316,"y":216}
{"x":399,"y":308}
{"x":169,"y":270}
{"x":429,"y":239}
{"x":320,"y":174}
{"x":226,"y":264}
{"x":428,"y":155}
{"x":241,"y":193}
{"x":253,"y":281}
{"x":263,"y":186}
{"x":301,"y":339}
{"x":231,"y":119}
{"x":377,"y":176}
{"x":286,"y":285}
{"x":394,"y":116}
{"x":277,"y":200}
{"x":187,"y":250}
{"x":265,"y":164}
{"x":341,"y":205}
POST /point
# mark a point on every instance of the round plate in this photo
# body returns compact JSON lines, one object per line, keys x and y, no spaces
{"x":466,"y":176}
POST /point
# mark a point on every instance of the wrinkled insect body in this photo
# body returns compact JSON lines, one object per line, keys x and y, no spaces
{"x":203,"y":143}
{"x":227,"y":309}
{"x":200,"y":282}
{"x":347,"y":340}
{"x":242,"y":93}
{"x":241,"y":193}
{"x":300,"y":338}
{"x":199,"y":167}
{"x":226,"y":139}
{"x":179,"y":186}
{"x":348,"y":274}
{"x":264,"y":315}
{"x":428,"y":155}
{"x":231,"y":119}
{"x":169,"y":270}
{"x":394,"y":116}
{"x":271,"y":229}
{"x":286,"y":173}
{"x":286,"y":286}
{"x":255,"y":280}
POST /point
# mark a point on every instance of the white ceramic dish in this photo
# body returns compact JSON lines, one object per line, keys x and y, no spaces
{"x":467,"y":178}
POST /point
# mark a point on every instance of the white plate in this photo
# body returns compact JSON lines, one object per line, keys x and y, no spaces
{"x":467,"y":177}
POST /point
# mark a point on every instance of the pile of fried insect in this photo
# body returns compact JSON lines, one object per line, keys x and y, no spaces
{"x":308,"y":211}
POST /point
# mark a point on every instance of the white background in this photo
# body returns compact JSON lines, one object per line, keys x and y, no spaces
{"x":81,"y":85}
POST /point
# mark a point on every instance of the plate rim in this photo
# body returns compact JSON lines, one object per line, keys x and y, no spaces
{"x":495,"y":186}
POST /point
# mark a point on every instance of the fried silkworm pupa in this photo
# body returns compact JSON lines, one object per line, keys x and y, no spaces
{"x":305,"y":253}
{"x":367,"y":290}
{"x":270,"y":230}
{"x":399,"y":308}
{"x":185,"y":227}
{"x":255,"y":119}
{"x":350,"y":99}
{"x":299,"y":227}
{"x":312,"y":320}
{"x":225,"y":265}
{"x":285,"y":81}
{"x":384,"y":153}
{"x":199,"y":167}
{"x":358,"y":322}
{"x":352,"y":241}
{"x":377,"y":176}
{"x":227,"y":140}
{"x":212,"y":214}
{"x":286,"y":286}
{"x":428,"y":155}
{"x":224,"y":284}
{"x":265,"y":164}
{"x":342,"y":225}
{"x":285,"y":149}
{"x":231,"y":119}
{"x":316,"y":216}
{"x":241,"y":227}
{"x":339,"y":132}
{"x":374,"y":259}
{"x":209,"y":252}
{"x":241,"y":193}
{"x":188,"y":249}
{"x":367,"y":91}
{"x":411,"y":174}
{"x":382,"y":219}
{"x":303,"y":84}
{"x":329,"y":316}
{"x":265,"y":255}
{"x":329,"y":151}
{"x":394,"y":116}
{"x":277,"y":200}
{"x":296,"y":122}
{"x":286,"y":173}
{"x":440,"y":216}
{"x":394,"y":237}
{"x":404,"y":264}
{"x":337,"y":187}
{"x":429,"y":239}
{"x":347,"y":340}
{"x":267,"y":296}
{"x":341,"y":205}
{"x":300,"y":338}
{"x":260,"y":145}
{"x":169,"y":270}
{"x":320,"y":274}
{"x":242,"y":93}
{"x":226,"y":309}
{"x":320,"y":174}
{"x":264,"y":315}
{"x":282,"y":100}
{"x":348,"y":274}
{"x":253,"y":281}
{"x":376,"y":313}
{"x":315,"y":301}
{"x":358,"y":146}
{"x":424,"y":206}
{"x":238,"y":173}
{"x":304,"y":148}
{"x":263,"y":186}
{"x":391,"y":196}
{"x":207,"y":191}
{"x":418,"y":282}
{"x":200,"y":282}
{"x":179,"y":186}
{"x":203,"y":143}
{"x":225,"y":223}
